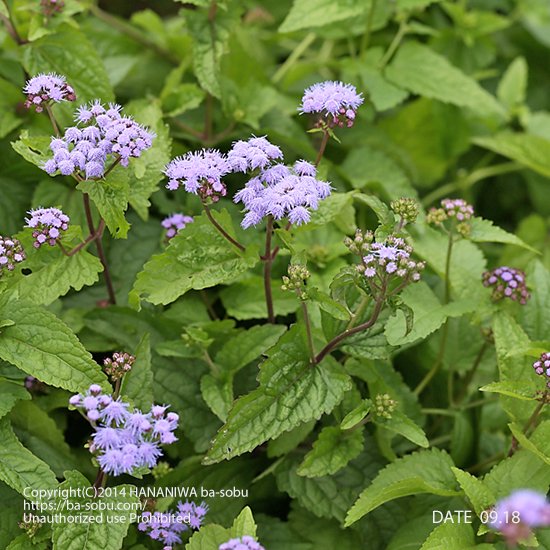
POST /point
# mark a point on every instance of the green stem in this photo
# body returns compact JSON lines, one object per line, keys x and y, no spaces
{"x":401,"y":32}
{"x":472,"y":371}
{"x":322,"y":148}
{"x":308,"y":332}
{"x":296,"y":53}
{"x":365,"y":41}
{"x":214,"y":369}
{"x":267,"y":270}
{"x":52,"y":119}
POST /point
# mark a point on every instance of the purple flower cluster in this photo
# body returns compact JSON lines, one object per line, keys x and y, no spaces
{"x":281,"y":191}
{"x":520,"y":512}
{"x":50,"y":7}
{"x":101,"y":135}
{"x":336,"y":101}
{"x":175,"y":223}
{"x":43,"y":88}
{"x":390,"y":258}
{"x":257,"y":152}
{"x":242,"y":543}
{"x":166,"y":527}
{"x":47,"y":225}
{"x":125,"y":441}
{"x":11,"y":253}
{"x":200,"y":173}
{"x":457,"y":208}
{"x":542,"y":366}
{"x":507,"y":282}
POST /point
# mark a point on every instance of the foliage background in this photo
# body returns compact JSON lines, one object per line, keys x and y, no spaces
{"x":457,"y":105}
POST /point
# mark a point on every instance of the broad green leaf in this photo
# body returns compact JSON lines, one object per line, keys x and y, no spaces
{"x":306,"y":14}
{"x":329,"y":210}
{"x":524,"y":390}
{"x":218,"y":395}
{"x":475,"y":490}
{"x":138,"y":383}
{"x":291,"y":391}
{"x":108,"y":530}
{"x":450,"y":536}
{"x":414,"y":4}
{"x":44,"y":347}
{"x":538,"y":442}
{"x":55,"y":278}
{"x":80,"y":64}
{"x":12,"y":505}
{"x":483,"y":231}
{"x":404,"y":426}
{"x":535,"y":317}
{"x":244,"y":524}
{"x":528,"y":150}
{"x":420,"y":472}
{"x":419,"y":69}
{"x":184,"y":266}
{"x":111,"y":197}
{"x":326,"y":303}
{"x":208,"y":537}
{"x":462,"y":438}
{"x":181,"y":98}
{"x":34,"y":149}
{"x":332,"y":450}
{"x":19,"y":468}
{"x":513,"y":84}
{"x":428,"y":314}
{"x":10,"y":394}
{"x":288,"y":441}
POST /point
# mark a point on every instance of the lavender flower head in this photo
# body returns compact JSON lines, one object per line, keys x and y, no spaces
{"x":44,"y":88}
{"x":11,"y":253}
{"x":520,"y":512}
{"x":453,"y":209}
{"x":507,"y":282}
{"x":101,"y":135}
{"x":125,"y":441}
{"x":257,"y":152}
{"x":47,"y":225}
{"x":166,"y":527}
{"x":242,"y":543}
{"x":281,"y":192}
{"x":336,"y":101}
{"x":200,"y":173}
{"x":174,"y":223}
{"x":542,"y":366}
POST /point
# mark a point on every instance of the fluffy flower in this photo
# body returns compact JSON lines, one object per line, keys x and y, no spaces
{"x":174,"y":223}
{"x":47,"y":225}
{"x":124,"y":440}
{"x":11,"y":253}
{"x":336,"y":101}
{"x":257,"y":152}
{"x":507,"y":282}
{"x":281,"y":191}
{"x":102,"y":136}
{"x":200,"y":173}
{"x":44,"y":88}
{"x":242,"y":543}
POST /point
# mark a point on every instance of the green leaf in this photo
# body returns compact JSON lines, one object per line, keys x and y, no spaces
{"x":475,"y":490}
{"x":288,"y":441}
{"x":306,"y":14}
{"x":34,"y":149}
{"x":19,"y":468}
{"x":332,"y":450}
{"x":105,"y":531}
{"x":218,"y":395}
{"x":428,"y":314}
{"x":10,"y":394}
{"x":538,"y":442}
{"x":184,"y":266}
{"x":138,"y":383}
{"x":208,"y":537}
{"x":181,"y":98}
{"x":419,"y":69}
{"x":356,"y":415}
{"x":244,"y":524}
{"x":535,"y":316}
{"x":420,"y":472}
{"x":450,"y":536}
{"x":404,"y":426}
{"x":529,"y":150}
{"x":51,"y":280}
{"x":80,"y":64}
{"x":111,"y":197}
{"x":414,"y":4}
{"x":513,"y":84}
{"x":483,"y":231}
{"x":291,"y":391}
{"x":326,"y":303}
{"x":524,"y":390}
{"x":44,"y":347}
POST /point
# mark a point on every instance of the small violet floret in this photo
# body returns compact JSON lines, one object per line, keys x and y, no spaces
{"x":48,"y":225}
{"x":175,"y":223}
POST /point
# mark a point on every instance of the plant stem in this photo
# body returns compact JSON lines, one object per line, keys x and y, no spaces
{"x":10,"y":27}
{"x":448,"y":267}
{"x":186,"y":128}
{"x":296,"y":53}
{"x":222,"y":231}
{"x":88,"y":211}
{"x":267,"y":270}
{"x":366,"y":36}
{"x":322,"y":148}
{"x":308,"y":332}
{"x":530,"y":423}
{"x":208,"y":305}
{"x":349,"y":331}
{"x":106,"y":272}
{"x":394,"y":44}
{"x":52,"y":119}
{"x":88,"y":240}
{"x":207,"y":132}
{"x":473,"y":370}
{"x":100,"y":480}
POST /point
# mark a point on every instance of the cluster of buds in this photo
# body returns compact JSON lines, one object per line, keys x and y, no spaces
{"x":384,"y":405}
{"x":161,"y":469}
{"x":51,"y":7}
{"x":47,"y":225}
{"x":453,"y":209}
{"x":296,"y":279}
{"x":406,"y":209}
{"x":30,"y":527}
{"x":542,"y":366}
{"x":118,"y":365}
{"x":11,"y":253}
{"x":361,"y":242}
{"x":45,"y":88}
{"x":507,"y":282}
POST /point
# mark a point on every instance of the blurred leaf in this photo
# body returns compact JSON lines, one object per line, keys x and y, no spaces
{"x":513,"y":84}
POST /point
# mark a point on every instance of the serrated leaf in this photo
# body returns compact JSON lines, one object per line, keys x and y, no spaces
{"x":218,"y":395}
{"x":421,"y":70}
{"x":450,"y":536}
{"x":208,"y":537}
{"x":19,"y":468}
{"x":475,"y":490}
{"x":404,"y":426}
{"x":291,"y":391}
{"x":244,"y":524}
{"x":331,"y":452}
{"x":483,"y":231}
{"x":184,"y":266}
{"x":537,"y":443}
{"x":44,"y":347}
{"x":34,"y":149}
{"x":535,"y":316}
{"x":420,"y":472}
{"x":525,"y":390}
{"x":181,"y":98}
{"x":138,"y":383}
{"x":10,"y":394}
{"x":326,"y":303}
